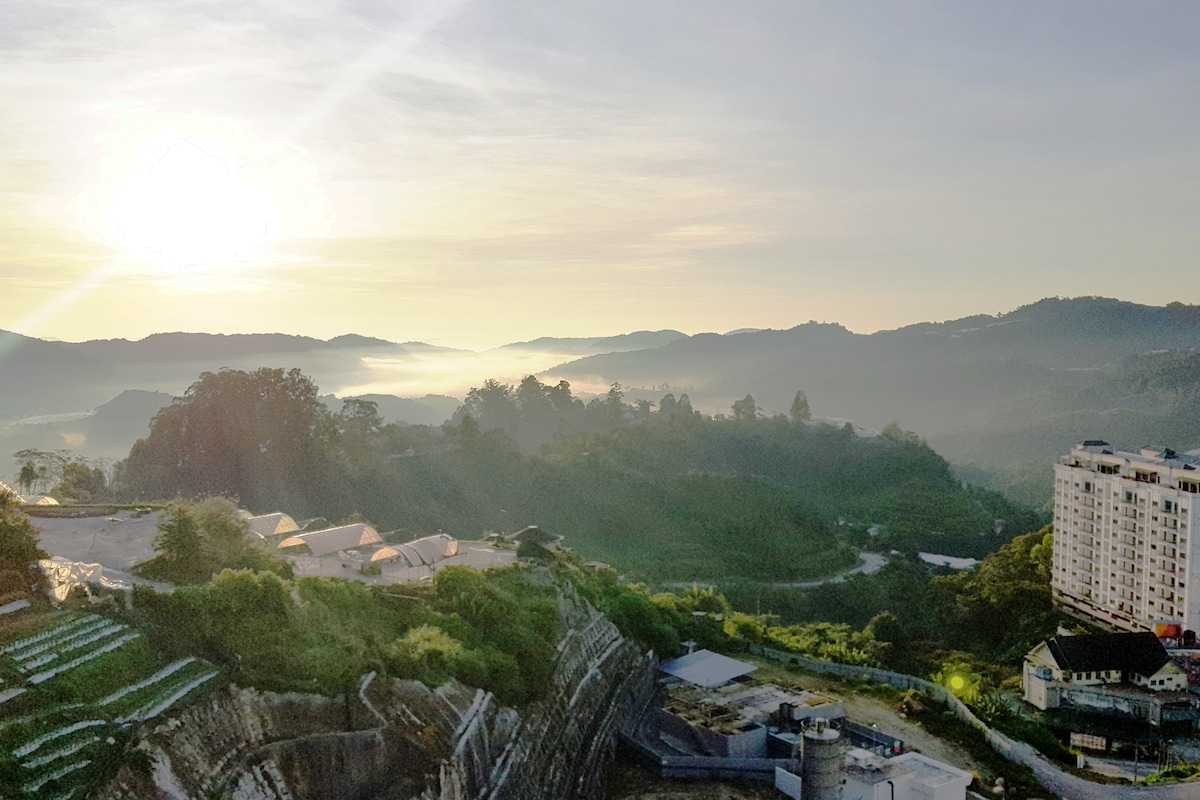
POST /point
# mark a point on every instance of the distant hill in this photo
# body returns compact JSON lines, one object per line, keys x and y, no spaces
{"x":108,"y":431}
{"x":991,"y":390}
{"x":639,"y":340}
{"x":110,"y":389}
{"x":981,"y":388}
{"x":117,"y":424}
{"x":55,"y":377}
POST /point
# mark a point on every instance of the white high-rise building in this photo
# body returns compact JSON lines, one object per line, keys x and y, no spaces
{"x":1126,"y":551}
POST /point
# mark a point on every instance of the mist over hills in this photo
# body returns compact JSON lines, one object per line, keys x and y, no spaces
{"x":995,"y":390}
{"x":638,"y":340}
{"x":991,"y":390}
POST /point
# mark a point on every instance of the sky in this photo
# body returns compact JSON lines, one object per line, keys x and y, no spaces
{"x":474,"y":173}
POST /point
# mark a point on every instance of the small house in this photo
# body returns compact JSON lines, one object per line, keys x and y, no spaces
{"x":1128,"y":674}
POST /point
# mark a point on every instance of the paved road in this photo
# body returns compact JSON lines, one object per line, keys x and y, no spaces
{"x":1069,"y":787}
{"x":872,"y":562}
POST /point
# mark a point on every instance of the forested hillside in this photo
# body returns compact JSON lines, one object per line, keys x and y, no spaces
{"x":657,"y":490}
{"x":998,"y":391}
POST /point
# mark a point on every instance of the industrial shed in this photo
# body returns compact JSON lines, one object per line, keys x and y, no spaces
{"x":333,"y":540}
{"x":422,"y":552}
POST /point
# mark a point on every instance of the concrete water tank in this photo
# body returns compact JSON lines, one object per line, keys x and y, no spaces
{"x":821,"y":761}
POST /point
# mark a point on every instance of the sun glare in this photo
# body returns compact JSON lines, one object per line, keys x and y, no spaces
{"x":192,"y":211}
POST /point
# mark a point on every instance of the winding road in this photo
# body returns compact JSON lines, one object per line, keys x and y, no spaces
{"x":1070,"y":787}
{"x":872,"y":562}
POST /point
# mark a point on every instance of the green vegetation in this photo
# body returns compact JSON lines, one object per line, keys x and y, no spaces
{"x":991,"y":614}
{"x":75,"y":687}
{"x":496,"y":630}
{"x":1179,"y":772}
{"x":199,"y":539}
{"x":663,"y":494}
{"x":62,"y":474}
{"x":1151,"y":398}
{"x":18,"y":550}
{"x":248,"y":435}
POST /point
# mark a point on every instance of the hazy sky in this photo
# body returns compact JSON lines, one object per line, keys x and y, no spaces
{"x":473,"y":173}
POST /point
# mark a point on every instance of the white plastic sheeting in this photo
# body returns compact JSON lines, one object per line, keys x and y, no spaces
{"x":66,"y":575}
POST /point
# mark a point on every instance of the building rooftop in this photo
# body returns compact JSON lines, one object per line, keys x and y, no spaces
{"x":422,"y":552}
{"x":1155,"y":456}
{"x":870,"y":768}
{"x":1142,"y":653}
{"x":271,"y":524}
{"x":931,"y":773}
{"x":331,"y":540}
{"x":706,"y":668}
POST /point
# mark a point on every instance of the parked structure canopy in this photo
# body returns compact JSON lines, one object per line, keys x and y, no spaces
{"x":331,"y":540}
{"x":272,"y":524}
{"x":422,"y":552}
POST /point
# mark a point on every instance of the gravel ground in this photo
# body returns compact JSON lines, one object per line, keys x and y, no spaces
{"x":116,"y":543}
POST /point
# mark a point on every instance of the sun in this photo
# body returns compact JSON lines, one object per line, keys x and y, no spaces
{"x":191,"y":211}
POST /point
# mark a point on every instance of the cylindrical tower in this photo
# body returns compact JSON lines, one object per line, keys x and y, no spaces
{"x":821,"y":764}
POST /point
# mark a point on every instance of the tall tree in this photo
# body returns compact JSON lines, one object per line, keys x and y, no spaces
{"x":199,"y":539}
{"x":27,"y":477}
{"x":252,"y":435}
{"x":745,"y":410}
{"x":41,"y":468}
{"x":800,"y":410}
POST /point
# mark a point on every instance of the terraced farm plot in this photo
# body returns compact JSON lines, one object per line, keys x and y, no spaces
{"x":72,"y":693}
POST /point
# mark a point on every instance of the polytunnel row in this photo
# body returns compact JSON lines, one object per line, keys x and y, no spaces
{"x":58,"y":762}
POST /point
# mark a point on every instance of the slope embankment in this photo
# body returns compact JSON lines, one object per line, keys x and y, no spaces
{"x":401,"y":739}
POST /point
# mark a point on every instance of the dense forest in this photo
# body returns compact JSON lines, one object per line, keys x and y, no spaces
{"x":656,"y":489}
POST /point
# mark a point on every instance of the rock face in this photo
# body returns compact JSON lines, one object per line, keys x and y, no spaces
{"x":400,"y":739}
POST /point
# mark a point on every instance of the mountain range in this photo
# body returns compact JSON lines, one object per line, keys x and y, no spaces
{"x":991,"y":390}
